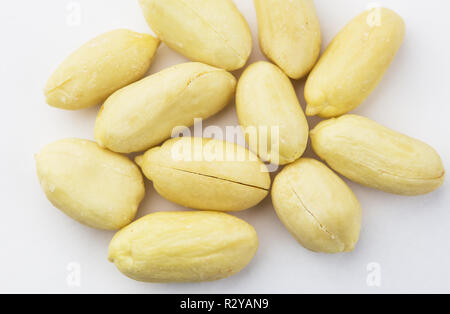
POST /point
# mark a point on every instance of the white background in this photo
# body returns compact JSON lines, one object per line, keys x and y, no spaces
{"x":408,"y":237}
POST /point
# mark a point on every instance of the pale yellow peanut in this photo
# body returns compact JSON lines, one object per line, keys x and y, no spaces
{"x":373,"y":155}
{"x":99,"y":68}
{"x":206,"y":174}
{"x":183,"y":247}
{"x":317,"y":207}
{"x":266,"y":100}
{"x":289,"y":34}
{"x":144,"y":114}
{"x":92,"y":185}
{"x":354,"y":63}
{"x":208,"y":31}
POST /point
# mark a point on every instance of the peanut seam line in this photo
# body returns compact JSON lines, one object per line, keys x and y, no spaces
{"x":214,"y":177}
{"x":214,"y":30}
{"x":384,"y":172}
{"x":321,"y":226}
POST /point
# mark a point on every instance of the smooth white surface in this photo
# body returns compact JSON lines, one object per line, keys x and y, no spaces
{"x":407,"y":236}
